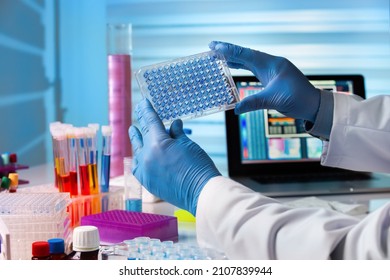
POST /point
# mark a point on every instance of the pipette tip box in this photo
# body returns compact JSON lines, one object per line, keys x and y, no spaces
{"x":118,"y":225}
{"x":188,"y":87}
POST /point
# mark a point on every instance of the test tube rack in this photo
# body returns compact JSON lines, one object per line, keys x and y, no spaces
{"x":82,"y":205}
{"x":118,"y":225}
{"x":5,"y":242}
{"x":27,"y":217}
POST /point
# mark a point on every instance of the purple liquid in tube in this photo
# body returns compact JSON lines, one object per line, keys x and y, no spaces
{"x":119,"y":84}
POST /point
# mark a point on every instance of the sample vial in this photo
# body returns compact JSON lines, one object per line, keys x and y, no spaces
{"x":57,"y":248}
{"x":40,"y":250}
{"x":86,"y":242}
{"x":133,"y":188}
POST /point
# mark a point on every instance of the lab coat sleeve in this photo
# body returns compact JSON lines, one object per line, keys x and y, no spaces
{"x":247,"y":225}
{"x":360,"y":135}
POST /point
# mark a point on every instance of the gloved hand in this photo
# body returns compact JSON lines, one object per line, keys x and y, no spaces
{"x":286,"y":89}
{"x":169,"y":165}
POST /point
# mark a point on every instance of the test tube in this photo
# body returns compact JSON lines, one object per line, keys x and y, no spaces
{"x":133,"y":188}
{"x":92,"y":163}
{"x":95,"y":127}
{"x":54,"y":126}
{"x":72,"y":160}
{"x":82,"y":157}
{"x":106,"y":159}
{"x":119,"y":48}
{"x":62,"y":160}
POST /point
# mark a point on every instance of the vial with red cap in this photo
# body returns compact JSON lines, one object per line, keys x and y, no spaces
{"x":40,"y":250}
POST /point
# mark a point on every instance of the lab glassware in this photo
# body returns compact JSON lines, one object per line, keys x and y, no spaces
{"x":133,"y":188}
{"x":106,"y":158}
{"x":119,"y":44}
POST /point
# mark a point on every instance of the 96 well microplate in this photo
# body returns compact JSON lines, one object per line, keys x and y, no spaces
{"x":189,"y":87}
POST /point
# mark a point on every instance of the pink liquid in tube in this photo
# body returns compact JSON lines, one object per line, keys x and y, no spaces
{"x":119,"y":68}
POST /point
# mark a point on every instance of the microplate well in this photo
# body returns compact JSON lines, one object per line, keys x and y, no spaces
{"x":188,"y":87}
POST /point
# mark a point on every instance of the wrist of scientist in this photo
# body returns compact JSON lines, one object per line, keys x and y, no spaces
{"x":323,"y":122}
{"x":354,"y":131}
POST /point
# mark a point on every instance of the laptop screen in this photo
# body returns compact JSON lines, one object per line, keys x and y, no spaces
{"x":266,"y":140}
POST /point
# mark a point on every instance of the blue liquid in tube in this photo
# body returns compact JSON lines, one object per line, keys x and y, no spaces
{"x":105,"y":176}
{"x":133,"y":204}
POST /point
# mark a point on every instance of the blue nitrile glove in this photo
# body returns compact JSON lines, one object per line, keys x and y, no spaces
{"x":169,"y":165}
{"x":286,"y":90}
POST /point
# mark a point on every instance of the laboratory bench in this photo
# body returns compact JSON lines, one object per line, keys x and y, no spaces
{"x":43,"y":175}
{"x":41,"y":182}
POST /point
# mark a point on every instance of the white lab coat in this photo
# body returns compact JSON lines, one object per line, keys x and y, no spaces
{"x":247,"y":225}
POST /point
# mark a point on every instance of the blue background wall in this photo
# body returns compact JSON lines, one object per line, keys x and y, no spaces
{"x":53,"y":54}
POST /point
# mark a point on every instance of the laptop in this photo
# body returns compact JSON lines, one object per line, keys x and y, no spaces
{"x":272,"y":154}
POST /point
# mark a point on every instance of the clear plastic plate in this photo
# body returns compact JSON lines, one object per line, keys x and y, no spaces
{"x":188,"y":87}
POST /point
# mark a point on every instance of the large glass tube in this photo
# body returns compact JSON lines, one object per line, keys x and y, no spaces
{"x":119,"y":45}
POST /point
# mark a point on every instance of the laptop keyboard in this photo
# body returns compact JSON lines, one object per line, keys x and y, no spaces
{"x":317,"y":177}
